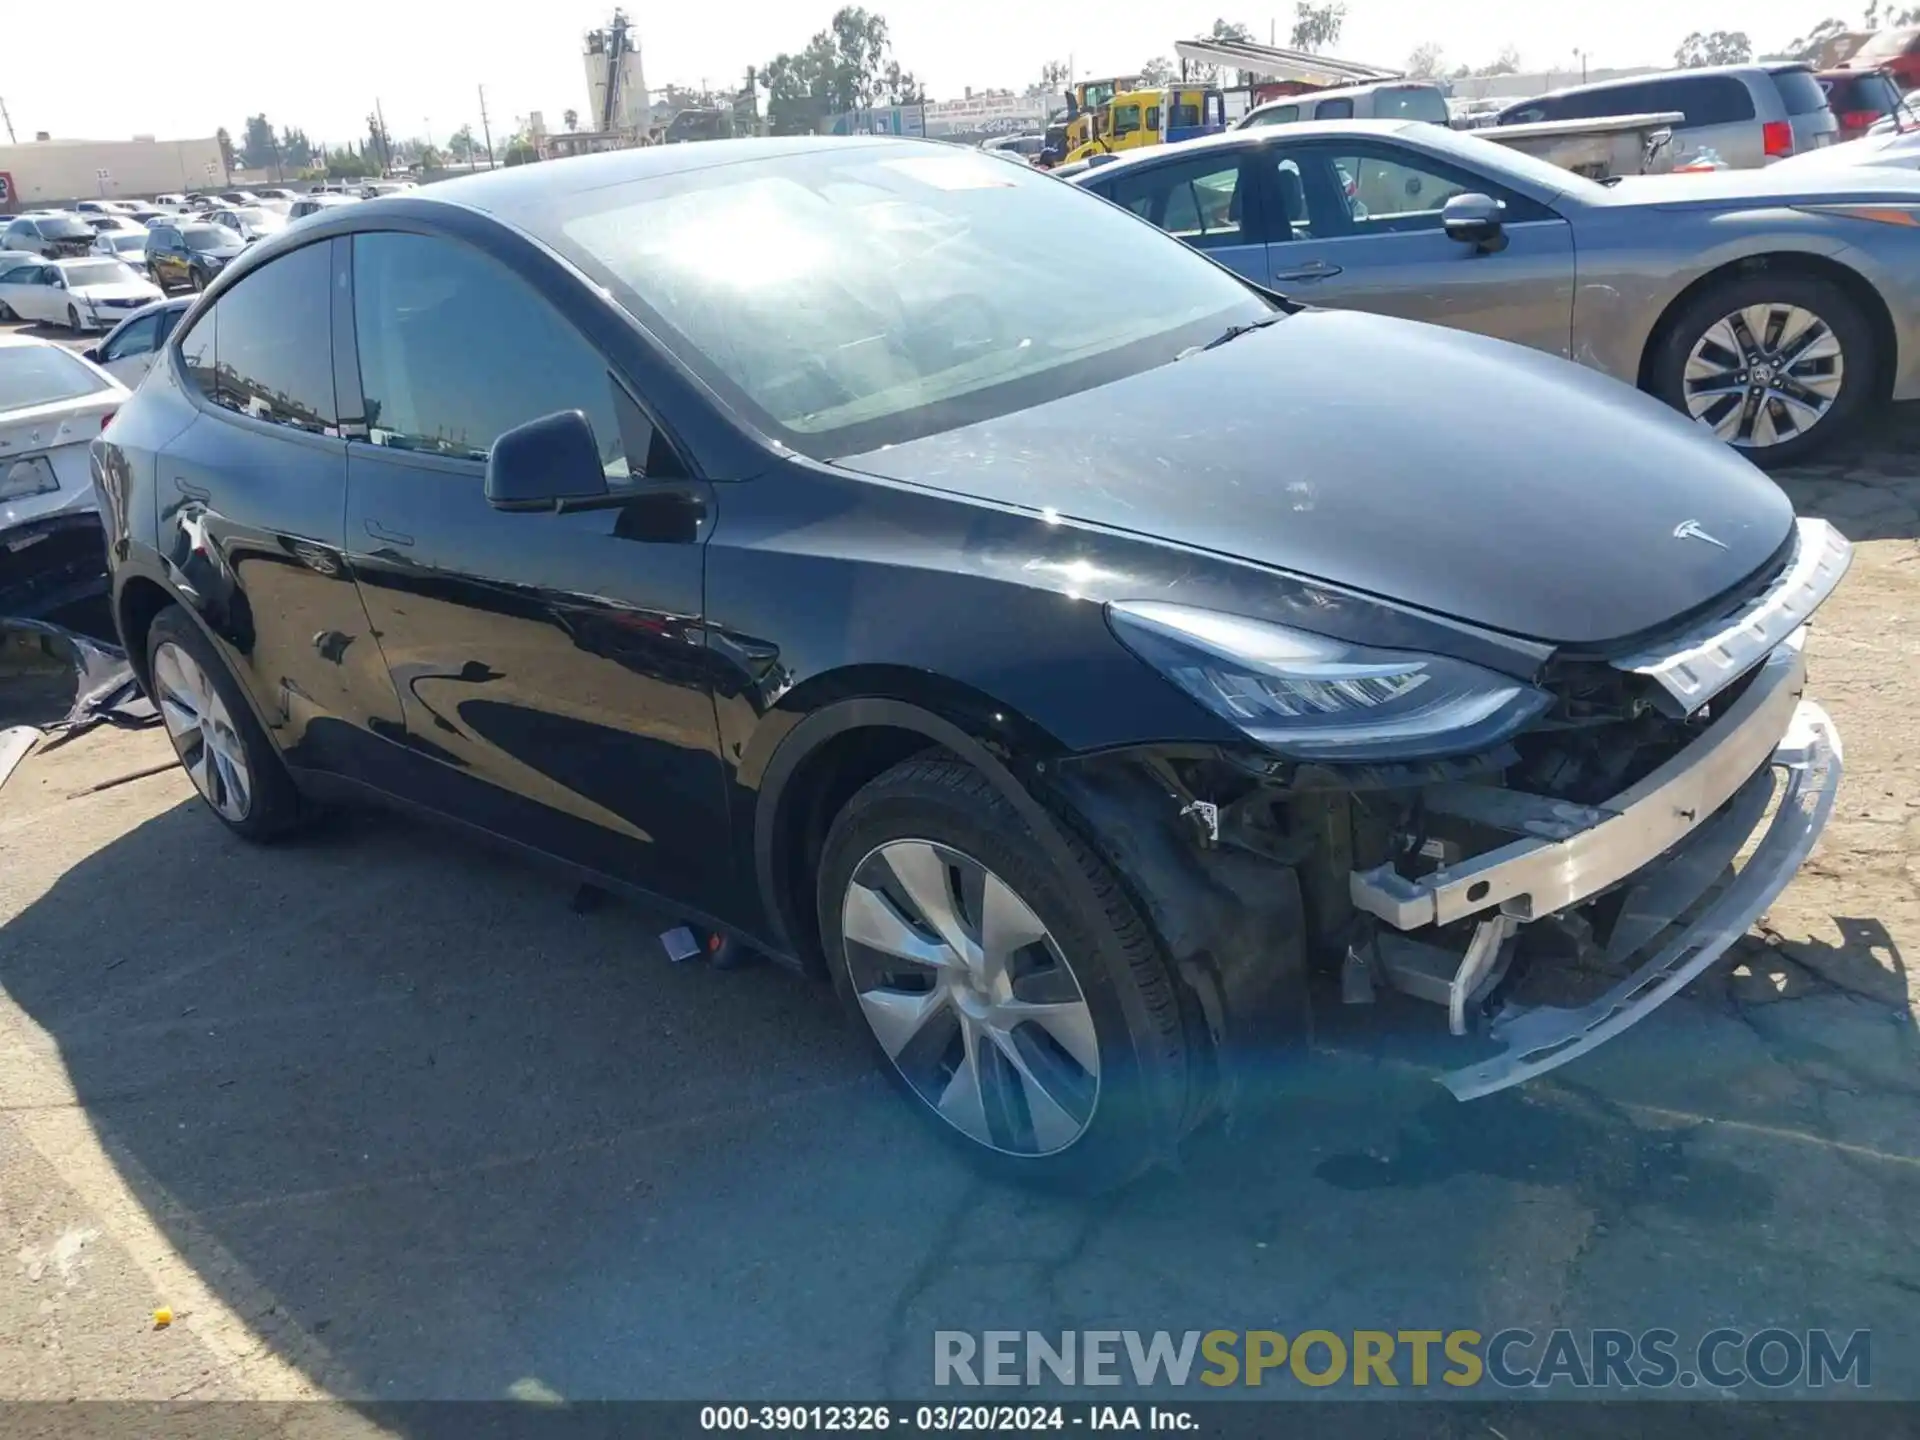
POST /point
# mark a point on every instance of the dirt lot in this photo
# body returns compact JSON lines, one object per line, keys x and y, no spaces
{"x":378,"y":1116}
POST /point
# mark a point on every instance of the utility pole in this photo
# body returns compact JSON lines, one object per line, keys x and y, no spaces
{"x":11,"y":138}
{"x":386,"y":140}
{"x":485,"y":129}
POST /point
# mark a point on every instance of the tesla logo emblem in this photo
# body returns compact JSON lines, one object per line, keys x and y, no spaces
{"x":1690,"y":530}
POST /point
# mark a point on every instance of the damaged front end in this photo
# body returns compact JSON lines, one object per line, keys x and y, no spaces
{"x":1547,"y":891}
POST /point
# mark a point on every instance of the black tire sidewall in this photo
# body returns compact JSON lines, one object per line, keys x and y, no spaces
{"x":1859,"y":349}
{"x":1130,"y":1125}
{"x":276,"y":804}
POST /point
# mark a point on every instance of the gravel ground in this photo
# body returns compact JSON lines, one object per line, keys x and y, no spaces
{"x":378,"y":1116}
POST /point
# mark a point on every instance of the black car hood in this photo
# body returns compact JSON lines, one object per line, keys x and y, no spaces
{"x":1459,"y":475}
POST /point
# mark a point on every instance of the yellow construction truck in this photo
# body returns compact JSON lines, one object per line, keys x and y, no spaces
{"x":1131,"y":119}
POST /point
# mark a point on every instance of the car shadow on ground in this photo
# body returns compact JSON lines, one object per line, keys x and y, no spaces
{"x":1870,"y":487}
{"x":440,"y":1136}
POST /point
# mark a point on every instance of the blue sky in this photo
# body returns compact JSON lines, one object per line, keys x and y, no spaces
{"x":136,"y":69}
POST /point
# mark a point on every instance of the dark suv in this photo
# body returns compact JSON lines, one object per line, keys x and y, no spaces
{"x":1859,"y":99}
{"x":189,"y":254}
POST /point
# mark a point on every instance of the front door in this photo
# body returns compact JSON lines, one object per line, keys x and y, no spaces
{"x":1209,"y":199}
{"x":1364,"y":233}
{"x":551,"y":667}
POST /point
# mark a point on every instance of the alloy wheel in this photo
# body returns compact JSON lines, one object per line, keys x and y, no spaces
{"x":202,"y":732}
{"x":1764,"y":375}
{"x":971,"y":998}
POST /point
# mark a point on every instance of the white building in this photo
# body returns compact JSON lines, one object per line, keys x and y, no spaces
{"x":988,"y":114}
{"x":610,"y":52}
{"x":50,"y":172}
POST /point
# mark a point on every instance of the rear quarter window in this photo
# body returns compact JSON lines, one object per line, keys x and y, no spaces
{"x":1800,"y":91}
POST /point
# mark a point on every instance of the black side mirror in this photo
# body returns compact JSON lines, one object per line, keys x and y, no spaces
{"x":92,"y":352}
{"x":550,"y":464}
{"x":1475,"y":220}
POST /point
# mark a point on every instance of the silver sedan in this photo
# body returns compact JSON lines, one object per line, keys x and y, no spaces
{"x":1777,"y":307}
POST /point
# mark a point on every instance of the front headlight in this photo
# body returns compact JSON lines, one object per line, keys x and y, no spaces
{"x":1312,"y":698}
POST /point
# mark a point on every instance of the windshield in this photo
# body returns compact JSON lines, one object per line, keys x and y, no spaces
{"x":212,"y":237}
{"x":99,"y":272}
{"x":40,"y":375}
{"x":127,"y":241}
{"x":861,"y":296}
{"x":62,"y":227}
{"x":254,"y":215}
{"x":1412,"y":102}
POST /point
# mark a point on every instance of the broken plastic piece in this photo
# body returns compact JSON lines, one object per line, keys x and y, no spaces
{"x":679,"y":943}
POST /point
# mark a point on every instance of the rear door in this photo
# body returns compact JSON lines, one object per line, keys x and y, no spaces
{"x":1364,"y":232}
{"x":1809,"y":114}
{"x":1211,"y":199}
{"x":252,"y":501}
{"x":552,"y":667}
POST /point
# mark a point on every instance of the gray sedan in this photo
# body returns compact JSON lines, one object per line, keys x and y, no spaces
{"x":1775,"y":308}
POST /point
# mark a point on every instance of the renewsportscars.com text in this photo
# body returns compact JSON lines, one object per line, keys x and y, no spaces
{"x":1772,"y":1358}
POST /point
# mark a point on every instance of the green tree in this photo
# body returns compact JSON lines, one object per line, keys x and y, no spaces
{"x":1425,"y":62}
{"x":1507,"y":62}
{"x":1052,"y":81}
{"x":259,"y":150}
{"x":379,"y":143}
{"x":462,"y":144}
{"x":1716,"y":47}
{"x":1158,"y":71}
{"x":295,"y":148}
{"x":225,"y":142}
{"x":571,"y":118}
{"x":347,"y":164}
{"x":1315,"y":27}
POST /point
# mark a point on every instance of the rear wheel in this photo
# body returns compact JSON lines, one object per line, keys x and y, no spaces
{"x":1776,"y":366}
{"x":1040,"y":1033}
{"x":197,"y":280}
{"x":221,"y":746}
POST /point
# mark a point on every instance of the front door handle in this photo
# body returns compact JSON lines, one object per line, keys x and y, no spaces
{"x":1312,"y":270}
{"x":392,"y":537}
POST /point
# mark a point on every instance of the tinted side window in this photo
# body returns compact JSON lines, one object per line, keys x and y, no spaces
{"x":1708,"y":100}
{"x":1199,"y":200}
{"x":454,"y":349}
{"x":137,"y":339}
{"x":1334,"y":110}
{"x":273,"y":349}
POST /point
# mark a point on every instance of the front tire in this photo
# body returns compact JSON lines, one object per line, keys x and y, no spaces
{"x":197,"y":279}
{"x":221,"y":746}
{"x":73,"y":319}
{"x":1038,"y":1031}
{"x":1778,"y":366}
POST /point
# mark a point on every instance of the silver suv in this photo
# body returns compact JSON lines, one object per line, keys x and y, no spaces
{"x":1747,"y":115}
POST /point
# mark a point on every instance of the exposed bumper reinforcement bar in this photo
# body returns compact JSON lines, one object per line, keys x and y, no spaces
{"x":1539,"y":875}
{"x":1536,"y":1040}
